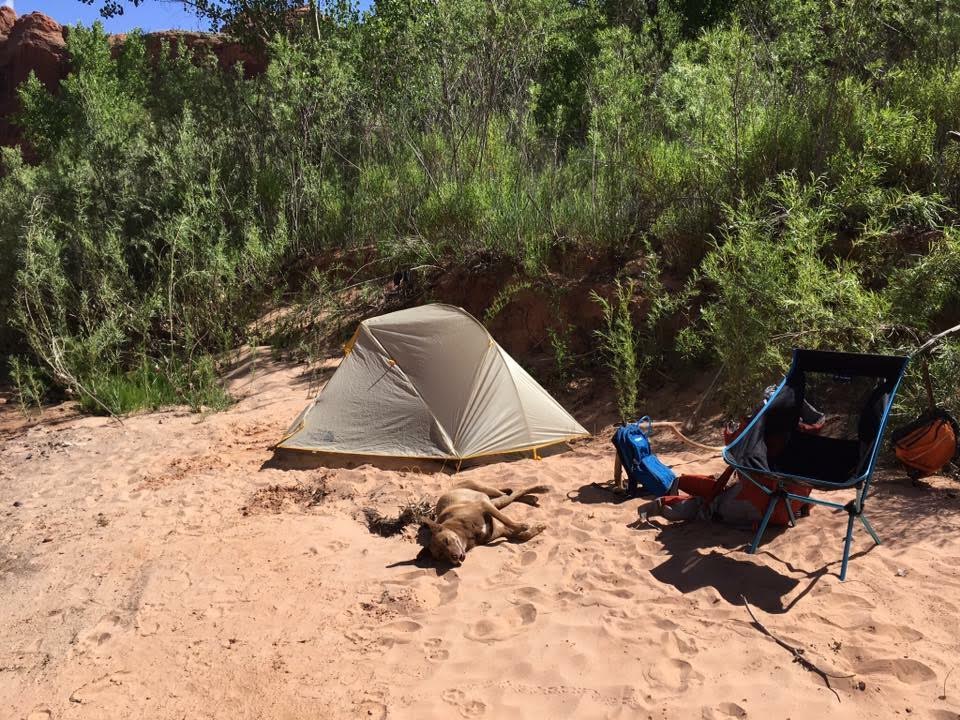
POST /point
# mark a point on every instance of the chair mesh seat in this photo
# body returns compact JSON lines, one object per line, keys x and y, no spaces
{"x":821,"y":428}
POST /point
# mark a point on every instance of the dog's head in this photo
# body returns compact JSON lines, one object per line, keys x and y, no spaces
{"x":445,"y":545}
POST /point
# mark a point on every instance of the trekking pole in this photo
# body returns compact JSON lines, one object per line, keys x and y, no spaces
{"x":923,"y":351}
{"x":934,"y":340}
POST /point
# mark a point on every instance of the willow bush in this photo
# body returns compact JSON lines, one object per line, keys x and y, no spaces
{"x":788,"y":166}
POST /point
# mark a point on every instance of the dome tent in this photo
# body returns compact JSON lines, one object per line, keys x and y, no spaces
{"x":429,"y":382}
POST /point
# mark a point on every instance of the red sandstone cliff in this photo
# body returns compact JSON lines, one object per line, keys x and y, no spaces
{"x":31,"y":43}
{"x":36,"y":43}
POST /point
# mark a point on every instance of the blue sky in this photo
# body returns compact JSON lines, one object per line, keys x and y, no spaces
{"x":152,"y":15}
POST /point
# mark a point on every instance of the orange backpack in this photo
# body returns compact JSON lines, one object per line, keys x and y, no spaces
{"x":928,"y":444}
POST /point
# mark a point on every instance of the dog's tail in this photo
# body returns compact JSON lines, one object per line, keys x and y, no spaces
{"x":533,"y":490}
{"x":524,"y":495}
{"x":527,"y":495}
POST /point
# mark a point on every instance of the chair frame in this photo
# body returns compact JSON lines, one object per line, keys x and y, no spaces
{"x":861,"y":482}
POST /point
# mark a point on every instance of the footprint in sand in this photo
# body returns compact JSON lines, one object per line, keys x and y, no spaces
{"x":528,"y":558}
{"x":686,"y":646}
{"x":665,"y":623}
{"x":592,"y":593}
{"x":944,"y":715}
{"x":404,"y":626}
{"x":672,"y":675}
{"x":113,"y":690}
{"x":911,"y":672}
{"x":412,"y":576}
{"x":901,"y":633}
{"x":372,"y":709}
{"x":947,"y":608}
{"x":398,"y":632}
{"x":434,"y":650}
{"x":851,"y":602}
{"x":525,"y":594}
{"x":449,"y":589}
{"x":468,"y":708}
{"x":100,"y":633}
{"x":504,"y":625}
{"x":723,"y":711}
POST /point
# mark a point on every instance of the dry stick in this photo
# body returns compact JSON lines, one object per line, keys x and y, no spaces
{"x":944,"y":696}
{"x":925,"y":365}
{"x":797,"y":654}
{"x":688,"y":425}
{"x":935,"y":339}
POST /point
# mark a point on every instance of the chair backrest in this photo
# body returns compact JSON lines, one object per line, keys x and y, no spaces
{"x":854,"y":393}
{"x":870,"y":422}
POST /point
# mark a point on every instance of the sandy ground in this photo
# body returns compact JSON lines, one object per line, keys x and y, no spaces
{"x":171,"y":567}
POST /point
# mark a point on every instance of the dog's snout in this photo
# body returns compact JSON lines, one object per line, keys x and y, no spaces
{"x":463,"y":556}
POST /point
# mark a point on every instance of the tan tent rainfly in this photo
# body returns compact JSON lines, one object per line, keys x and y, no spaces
{"x":429,"y":382}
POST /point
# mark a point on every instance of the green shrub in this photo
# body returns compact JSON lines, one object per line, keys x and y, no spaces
{"x":503,"y":298}
{"x":560,"y":347}
{"x":171,"y":205}
{"x":30,"y":383}
{"x":151,"y":386}
{"x":773,"y":288}
{"x":620,"y":346}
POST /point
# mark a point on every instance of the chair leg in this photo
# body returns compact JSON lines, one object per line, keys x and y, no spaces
{"x":846,"y":548}
{"x":869,"y":529}
{"x":793,"y":518}
{"x":774,"y":499}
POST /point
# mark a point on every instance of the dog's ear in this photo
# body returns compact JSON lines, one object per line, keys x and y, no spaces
{"x":425,"y":531}
{"x":429,"y":524}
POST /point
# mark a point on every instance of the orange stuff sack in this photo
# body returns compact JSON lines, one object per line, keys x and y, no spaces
{"x":926,"y":445}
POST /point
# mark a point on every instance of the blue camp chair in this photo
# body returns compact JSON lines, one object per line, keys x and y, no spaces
{"x":785,"y":455}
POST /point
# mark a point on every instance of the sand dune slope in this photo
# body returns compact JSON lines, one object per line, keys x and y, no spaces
{"x":172,"y":568}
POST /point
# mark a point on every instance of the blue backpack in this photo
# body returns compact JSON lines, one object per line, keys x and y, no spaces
{"x":642,"y":466}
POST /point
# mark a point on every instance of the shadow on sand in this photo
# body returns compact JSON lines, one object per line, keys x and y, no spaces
{"x":696,"y":562}
{"x":424,"y":560}
{"x":595,"y":493}
{"x":283,"y":459}
{"x":905,"y":512}
{"x":298,"y":460}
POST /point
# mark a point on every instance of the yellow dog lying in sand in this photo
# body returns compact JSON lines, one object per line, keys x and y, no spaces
{"x":470,"y":515}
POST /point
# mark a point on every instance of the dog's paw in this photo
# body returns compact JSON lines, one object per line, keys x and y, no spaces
{"x":530,"y":531}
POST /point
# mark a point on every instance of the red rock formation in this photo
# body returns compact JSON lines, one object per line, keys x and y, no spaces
{"x":36,"y":43}
{"x":228,"y":52}
{"x":7,"y":18}
{"x":30,"y":43}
